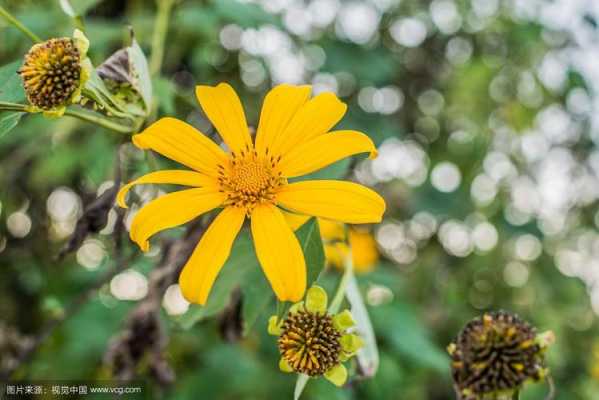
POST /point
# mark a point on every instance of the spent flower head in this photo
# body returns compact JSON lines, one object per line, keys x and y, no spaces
{"x":496,"y":354}
{"x":312,"y":341}
{"x":54,"y":72}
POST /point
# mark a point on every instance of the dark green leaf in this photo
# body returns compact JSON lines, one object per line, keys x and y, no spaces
{"x":165,"y":95}
{"x":11,"y":88}
{"x":336,"y":170}
{"x":257,"y":296}
{"x":309,"y":237}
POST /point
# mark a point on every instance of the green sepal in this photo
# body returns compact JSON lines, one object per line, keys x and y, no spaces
{"x":337,"y":375}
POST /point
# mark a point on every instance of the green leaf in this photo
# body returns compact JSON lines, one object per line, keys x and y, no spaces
{"x":138,"y":66}
{"x":400,"y":326}
{"x":257,"y":295}
{"x":309,"y":237}
{"x":165,"y":94}
{"x":11,"y":88}
{"x":336,"y":170}
{"x":9,"y":120}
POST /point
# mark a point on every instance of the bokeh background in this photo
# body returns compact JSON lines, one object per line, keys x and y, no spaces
{"x":486,"y":117}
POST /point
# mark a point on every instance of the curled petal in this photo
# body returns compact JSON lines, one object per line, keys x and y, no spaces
{"x":174,"y":177}
{"x":172,"y":210}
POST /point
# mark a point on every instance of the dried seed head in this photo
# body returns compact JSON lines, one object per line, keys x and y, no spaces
{"x":51,"y":73}
{"x":497,"y":352}
{"x":310,"y":343}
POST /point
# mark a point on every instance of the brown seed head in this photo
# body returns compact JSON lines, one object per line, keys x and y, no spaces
{"x":494,"y":353}
{"x":51,"y":72}
{"x":310,"y":342}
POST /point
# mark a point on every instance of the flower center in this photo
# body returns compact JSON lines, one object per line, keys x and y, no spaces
{"x":310,"y":342}
{"x":249,"y":179}
{"x":51,"y":72}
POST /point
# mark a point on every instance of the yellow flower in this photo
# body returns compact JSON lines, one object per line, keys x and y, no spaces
{"x":250,"y":179}
{"x":361,"y":243}
{"x":313,"y":342}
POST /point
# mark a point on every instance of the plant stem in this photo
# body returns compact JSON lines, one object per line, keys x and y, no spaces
{"x":159,"y":36}
{"x":82,"y":115}
{"x":340,"y":293}
{"x":98,"y":120}
{"x":17,"y":24}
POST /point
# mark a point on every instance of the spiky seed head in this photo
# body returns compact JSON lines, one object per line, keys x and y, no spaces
{"x":51,"y":73}
{"x":495,"y":353}
{"x":309,"y":342}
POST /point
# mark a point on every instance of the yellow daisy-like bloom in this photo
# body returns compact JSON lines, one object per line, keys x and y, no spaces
{"x":250,"y":180}
{"x":360,"y":242}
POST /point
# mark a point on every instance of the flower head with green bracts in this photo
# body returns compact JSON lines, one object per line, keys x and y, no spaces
{"x":54,"y":73}
{"x":312,"y":341}
{"x":496,"y":354}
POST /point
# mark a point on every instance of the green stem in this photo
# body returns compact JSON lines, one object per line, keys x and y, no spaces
{"x":159,"y":36}
{"x":6,"y":106}
{"x":98,"y":120}
{"x":17,"y":24}
{"x":347,"y":274}
{"x":82,"y":115}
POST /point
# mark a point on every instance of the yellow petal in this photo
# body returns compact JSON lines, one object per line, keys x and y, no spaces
{"x":223,"y":108}
{"x":171,"y":210}
{"x":183,"y":143}
{"x":314,"y":118}
{"x":175,"y":177}
{"x":280,"y":105}
{"x":324,"y":150}
{"x":295,"y":221}
{"x":200,"y":271}
{"x":279,"y":253}
{"x":338,"y":200}
{"x":364,"y":250}
{"x":331,"y":230}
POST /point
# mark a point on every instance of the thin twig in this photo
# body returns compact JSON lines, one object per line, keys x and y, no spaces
{"x":159,"y":36}
{"x":17,"y":24}
{"x":81,"y":114}
{"x":551,"y":384}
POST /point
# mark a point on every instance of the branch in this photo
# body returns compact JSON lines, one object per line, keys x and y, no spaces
{"x":17,"y":24}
